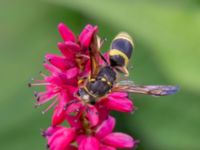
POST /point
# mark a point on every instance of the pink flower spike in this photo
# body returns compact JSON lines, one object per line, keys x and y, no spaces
{"x":59,"y":138}
{"x":92,"y":115}
{"x":118,"y":103}
{"x":66,"y":33}
{"x":105,"y":128}
{"x":119,"y":140}
{"x":89,"y":143}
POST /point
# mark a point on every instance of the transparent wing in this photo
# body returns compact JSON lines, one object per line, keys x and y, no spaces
{"x":155,"y":90}
{"x":94,"y":56}
{"x":125,"y":82}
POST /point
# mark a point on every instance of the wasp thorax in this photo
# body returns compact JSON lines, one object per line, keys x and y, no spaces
{"x":99,"y":86}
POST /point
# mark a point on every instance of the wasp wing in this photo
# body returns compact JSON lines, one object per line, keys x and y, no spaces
{"x":155,"y":90}
{"x":94,"y":55}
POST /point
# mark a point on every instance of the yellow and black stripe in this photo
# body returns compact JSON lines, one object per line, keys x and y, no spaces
{"x":121,"y":50}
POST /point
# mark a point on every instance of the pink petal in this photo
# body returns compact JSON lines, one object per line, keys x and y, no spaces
{"x":80,"y":138}
{"x":119,"y":94}
{"x":74,"y":107}
{"x":55,"y":80}
{"x":73,"y":113}
{"x":86,"y":71}
{"x":105,"y":128}
{"x":59,"y":111}
{"x":119,"y":104}
{"x":73,"y":47}
{"x":89,"y":143}
{"x":44,"y":97}
{"x":59,"y":61}
{"x":70,"y":147}
{"x":66,"y":33}
{"x":58,"y":116}
{"x":86,"y":29}
{"x":69,"y":49}
{"x":119,"y":140}
{"x":71,"y":73}
{"x":92,"y":115}
{"x":73,"y":121}
{"x":87,"y":34}
{"x":103,"y":111}
{"x":60,"y":138}
{"x":51,"y":68}
{"x":104,"y":147}
{"x":50,"y":131}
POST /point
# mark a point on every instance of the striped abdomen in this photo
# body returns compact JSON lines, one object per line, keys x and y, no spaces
{"x":121,"y":50}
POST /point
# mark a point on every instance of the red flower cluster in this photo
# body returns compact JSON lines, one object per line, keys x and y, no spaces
{"x":91,"y":126}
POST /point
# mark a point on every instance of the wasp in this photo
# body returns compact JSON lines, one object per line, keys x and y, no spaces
{"x":103,"y":78}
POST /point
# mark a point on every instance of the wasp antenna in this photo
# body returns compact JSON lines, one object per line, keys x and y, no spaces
{"x":103,"y":58}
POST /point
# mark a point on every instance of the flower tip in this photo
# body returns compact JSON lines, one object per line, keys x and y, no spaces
{"x":59,"y":44}
{"x":65,"y":32}
{"x":61,"y":25}
{"x":48,"y":57}
{"x":96,"y":28}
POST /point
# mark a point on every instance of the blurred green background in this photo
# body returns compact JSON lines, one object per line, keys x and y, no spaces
{"x":167,"y":35}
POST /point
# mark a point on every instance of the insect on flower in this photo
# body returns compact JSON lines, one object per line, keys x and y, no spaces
{"x":103,"y":78}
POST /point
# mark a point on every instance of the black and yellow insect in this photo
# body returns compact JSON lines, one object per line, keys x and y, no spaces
{"x":103,"y":78}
